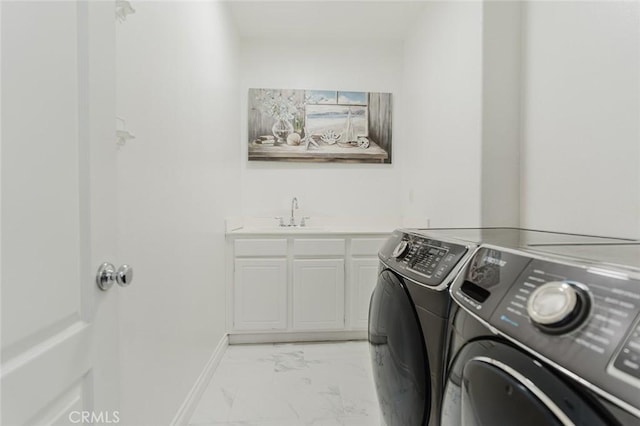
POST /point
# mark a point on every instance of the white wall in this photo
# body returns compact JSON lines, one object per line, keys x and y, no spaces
{"x":501,"y":87}
{"x":324,"y":189}
{"x":581,"y":114}
{"x":442,"y":86}
{"x":177,"y":181}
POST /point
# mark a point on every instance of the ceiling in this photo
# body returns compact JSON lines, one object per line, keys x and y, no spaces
{"x":307,"y":19}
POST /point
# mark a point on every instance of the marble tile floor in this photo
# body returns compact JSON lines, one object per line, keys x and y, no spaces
{"x":301,"y":384}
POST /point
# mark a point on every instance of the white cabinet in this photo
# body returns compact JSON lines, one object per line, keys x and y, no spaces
{"x":364,"y":275}
{"x":260,"y":247}
{"x":319,"y":247}
{"x":260,"y":294}
{"x":318,"y":294}
{"x":303,"y":287}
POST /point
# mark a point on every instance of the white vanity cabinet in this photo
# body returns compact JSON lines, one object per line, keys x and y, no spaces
{"x":300,"y":287}
{"x":318,"y":294}
{"x":260,"y":284}
{"x":363,"y":276}
{"x":260,"y":294}
{"x":318,"y":283}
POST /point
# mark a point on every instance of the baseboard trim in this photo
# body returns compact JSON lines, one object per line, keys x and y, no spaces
{"x":288,"y":337}
{"x":189,"y":405}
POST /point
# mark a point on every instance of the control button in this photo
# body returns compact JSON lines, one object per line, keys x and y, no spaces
{"x":634,"y":345}
{"x":401,"y":249}
{"x":557,"y":307}
{"x":552,"y":302}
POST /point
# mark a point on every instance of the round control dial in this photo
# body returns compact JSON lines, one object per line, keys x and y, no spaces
{"x":401,"y":249}
{"x":557,"y":307}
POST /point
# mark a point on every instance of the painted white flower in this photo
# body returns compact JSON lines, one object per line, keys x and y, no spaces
{"x":274,"y":104}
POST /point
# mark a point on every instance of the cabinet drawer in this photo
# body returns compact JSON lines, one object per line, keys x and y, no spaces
{"x":265,"y":247}
{"x":318,"y":247}
{"x":366,"y":246}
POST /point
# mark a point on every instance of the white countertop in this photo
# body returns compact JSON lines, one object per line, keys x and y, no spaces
{"x":316,"y":226}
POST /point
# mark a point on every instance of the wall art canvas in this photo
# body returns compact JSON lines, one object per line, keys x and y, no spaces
{"x":319,"y":126}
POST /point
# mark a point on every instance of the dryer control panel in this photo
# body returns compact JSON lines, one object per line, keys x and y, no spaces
{"x":583,"y":319}
{"x":425,"y":260}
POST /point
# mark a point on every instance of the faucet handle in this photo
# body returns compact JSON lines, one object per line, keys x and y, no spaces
{"x":280,"y":220}
{"x":303,"y":221}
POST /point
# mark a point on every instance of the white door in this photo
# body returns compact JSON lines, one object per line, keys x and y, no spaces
{"x":318,"y":294}
{"x":59,"y":341}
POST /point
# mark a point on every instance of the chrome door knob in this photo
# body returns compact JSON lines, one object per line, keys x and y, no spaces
{"x":124,"y":275}
{"x":106,"y":276}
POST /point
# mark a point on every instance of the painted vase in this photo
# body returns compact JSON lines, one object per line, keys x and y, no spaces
{"x":281,"y":129}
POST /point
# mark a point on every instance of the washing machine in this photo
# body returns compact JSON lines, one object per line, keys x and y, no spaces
{"x":410,"y":307}
{"x":546,"y":335}
{"x":408,"y":316}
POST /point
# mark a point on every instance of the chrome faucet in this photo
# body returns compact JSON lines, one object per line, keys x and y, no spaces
{"x":294,"y":205}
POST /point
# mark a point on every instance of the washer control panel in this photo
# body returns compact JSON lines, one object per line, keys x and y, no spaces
{"x":428,"y":261}
{"x":583,"y":319}
{"x":628,"y":359}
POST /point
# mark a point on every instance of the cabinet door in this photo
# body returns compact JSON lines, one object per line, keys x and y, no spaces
{"x":260,"y":294}
{"x":364,"y":275}
{"x":318,"y":294}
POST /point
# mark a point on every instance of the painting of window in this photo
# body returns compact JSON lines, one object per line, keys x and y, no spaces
{"x":319,"y":97}
{"x":352,"y":98}
{"x":341,"y":119}
{"x":319,"y":126}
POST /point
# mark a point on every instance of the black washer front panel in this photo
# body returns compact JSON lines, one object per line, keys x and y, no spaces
{"x":399,"y":362}
{"x":604,"y":350}
{"x":493,"y":383}
{"x":408,"y":316}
